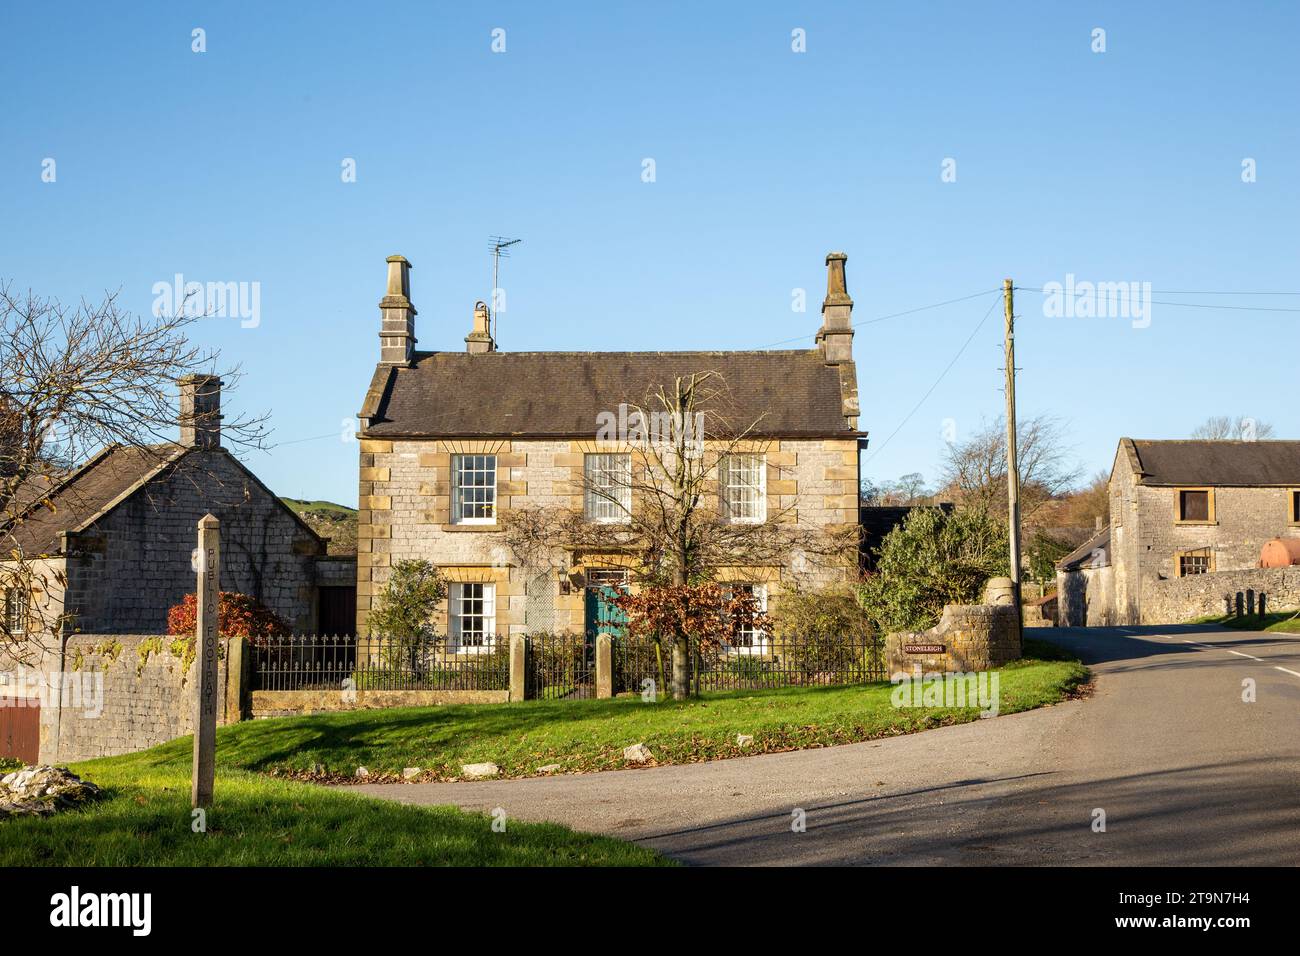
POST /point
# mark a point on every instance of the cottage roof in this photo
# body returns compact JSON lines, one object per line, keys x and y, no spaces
{"x":51,"y":506}
{"x":1093,"y":553}
{"x":1215,"y":463}
{"x":787,"y":393}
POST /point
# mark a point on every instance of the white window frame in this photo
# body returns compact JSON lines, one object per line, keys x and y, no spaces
{"x":15,"y":611}
{"x":760,"y":642}
{"x":607,"y":487}
{"x":458,"y":488}
{"x":483,"y":592}
{"x":729,"y":484}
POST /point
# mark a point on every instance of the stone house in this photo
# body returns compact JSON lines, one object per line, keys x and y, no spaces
{"x":453,"y":442}
{"x":1178,"y":510}
{"x":118,"y":532}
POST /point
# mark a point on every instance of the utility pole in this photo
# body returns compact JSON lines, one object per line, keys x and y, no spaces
{"x":1013,"y":467}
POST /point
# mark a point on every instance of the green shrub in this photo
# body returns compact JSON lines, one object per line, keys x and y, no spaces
{"x":404,"y":608}
{"x":819,"y":612}
{"x":933,"y":559}
{"x":820,"y":631}
{"x":746,"y":666}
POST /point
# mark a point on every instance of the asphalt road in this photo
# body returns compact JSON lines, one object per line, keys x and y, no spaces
{"x":1186,"y":772}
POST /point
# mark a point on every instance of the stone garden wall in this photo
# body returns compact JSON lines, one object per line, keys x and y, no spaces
{"x":969,"y":637}
{"x":129,"y":692}
{"x":297,"y":703}
{"x":1177,"y":600}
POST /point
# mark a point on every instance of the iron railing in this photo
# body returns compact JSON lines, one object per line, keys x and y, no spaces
{"x":558,"y":666}
{"x":636,"y":663}
{"x":313,"y":662}
{"x":770,"y":662}
{"x":561,"y":666}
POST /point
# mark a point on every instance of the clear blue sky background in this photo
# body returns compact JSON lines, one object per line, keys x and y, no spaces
{"x":1120,"y":166}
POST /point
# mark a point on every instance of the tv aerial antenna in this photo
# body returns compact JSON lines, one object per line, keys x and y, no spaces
{"x":500,"y":250}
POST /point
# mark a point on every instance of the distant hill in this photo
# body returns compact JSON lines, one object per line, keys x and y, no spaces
{"x":329,"y":520}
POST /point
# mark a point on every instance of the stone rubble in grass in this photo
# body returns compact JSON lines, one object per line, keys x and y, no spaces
{"x":548,"y":768}
{"x":410,"y":773}
{"x":42,"y":790}
{"x":362,"y":772}
{"x":744,"y":740}
{"x":637,"y":753}
{"x":478,"y":771}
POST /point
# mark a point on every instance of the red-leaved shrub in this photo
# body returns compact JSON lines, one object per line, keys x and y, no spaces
{"x":238,"y":616}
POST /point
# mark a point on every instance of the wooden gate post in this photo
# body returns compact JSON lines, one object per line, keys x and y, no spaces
{"x":205,"y":688}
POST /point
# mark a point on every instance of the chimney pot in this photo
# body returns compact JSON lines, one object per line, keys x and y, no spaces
{"x":480,"y":338}
{"x":836,"y":290}
{"x":399,"y":277}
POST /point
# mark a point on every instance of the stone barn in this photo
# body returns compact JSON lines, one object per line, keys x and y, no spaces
{"x":121,"y":529}
{"x":1188,"y":523}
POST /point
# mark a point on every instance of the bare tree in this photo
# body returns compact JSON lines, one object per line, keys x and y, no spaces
{"x":975,"y":470}
{"x":74,"y":380}
{"x":1232,"y":428}
{"x":669,"y":513}
{"x":1089,"y":505}
{"x":909,"y":489}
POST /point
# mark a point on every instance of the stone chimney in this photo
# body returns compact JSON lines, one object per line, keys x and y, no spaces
{"x":480,"y":339}
{"x":200,"y":416}
{"x":397,"y":316}
{"x":835,"y":337}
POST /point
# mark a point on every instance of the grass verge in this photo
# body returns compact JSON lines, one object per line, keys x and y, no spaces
{"x":144,"y":819}
{"x":262,"y":819}
{"x":1287,"y":622}
{"x":585,"y":736}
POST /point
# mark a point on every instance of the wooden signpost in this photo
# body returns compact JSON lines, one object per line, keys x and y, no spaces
{"x":205,"y":688}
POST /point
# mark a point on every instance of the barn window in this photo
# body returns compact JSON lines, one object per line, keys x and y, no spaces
{"x":1295,"y":506}
{"x":1195,"y":562}
{"x":1196,"y":505}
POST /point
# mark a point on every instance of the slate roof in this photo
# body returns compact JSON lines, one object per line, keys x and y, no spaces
{"x":1217,"y":463}
{"x":1082,"y":556}
{"x":789,"y":393}
{"x":72,"y":501}
{"x":64,"y":504}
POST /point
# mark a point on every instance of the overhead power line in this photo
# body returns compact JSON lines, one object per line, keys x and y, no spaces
{"x":1183,"y":305}
{"x":892,"y":315}
{"x":942,"y":375}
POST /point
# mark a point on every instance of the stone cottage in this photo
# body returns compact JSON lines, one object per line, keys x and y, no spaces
{"x":453,"y":442}
{"x":1188,"y":521}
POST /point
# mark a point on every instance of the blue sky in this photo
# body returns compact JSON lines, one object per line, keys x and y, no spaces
{"x":1117,"y":166}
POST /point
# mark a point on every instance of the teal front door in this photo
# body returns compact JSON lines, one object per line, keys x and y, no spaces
{"x":602,"y":615}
